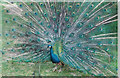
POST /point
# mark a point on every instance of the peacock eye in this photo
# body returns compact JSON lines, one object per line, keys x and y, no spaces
{"x":13,"y":30}
{"x":22,"y":51}
{"x":79,"y":25}
{"x":41,"y":4}
{"x":66,"y":19}
{"x":31,"y":4}
{"x":12,"y":2}
{"x":36,"y":13}
{"x":14,"y":19}
{"x":7,"y":34}
{"x":73,"y":14}
{"x":49,"y":26}
{"x":69,"y":8}
{"x":91,"y":5}
{"x":6,"y":21}
{"x":20,"y":5}
{"x":45,"y":14}
{"x":7,"y":11}
{"x":8,"y":43}
{"x":58,"y":12}
{"x":31,"y":24}
{"x":87,"y":14}
{"x":90,"y":26}
{"x":78,"y":45}
{"x":14,"y":36}
{"x":26,"y":14}
{"x":54,"y":18}
{"x":78,"y":4}
{"x":21,"y":25}
{"x":52,"y":6}
{"x":98,"y":17}
{"x":12,"y":50}
{"x":105,"y":9}
{"x":71,"y":35}
{"x":37,"y":32}
{"x":68,"y":26}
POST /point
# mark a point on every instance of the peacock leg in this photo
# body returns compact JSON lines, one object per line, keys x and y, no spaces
{"x":54,"y":69}
{"x":61,"y":67}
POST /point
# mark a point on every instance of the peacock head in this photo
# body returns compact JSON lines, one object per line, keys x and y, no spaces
{"x":49,"y":46}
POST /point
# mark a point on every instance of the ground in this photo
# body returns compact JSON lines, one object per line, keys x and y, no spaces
{"x":27,"y":69}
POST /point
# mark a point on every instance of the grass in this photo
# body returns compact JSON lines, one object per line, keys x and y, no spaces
{"x":46,"y":69}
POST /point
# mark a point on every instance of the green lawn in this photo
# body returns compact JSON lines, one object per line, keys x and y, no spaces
{"x":27,"y":69}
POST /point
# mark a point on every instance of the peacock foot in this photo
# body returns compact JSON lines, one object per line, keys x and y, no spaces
{"x":55,"y":68}
{"x":60,"y":70}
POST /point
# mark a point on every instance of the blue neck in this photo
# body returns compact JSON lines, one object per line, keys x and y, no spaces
{"x":51,"y":50}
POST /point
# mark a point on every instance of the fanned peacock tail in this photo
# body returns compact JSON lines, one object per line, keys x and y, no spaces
{"x":83,"y":34}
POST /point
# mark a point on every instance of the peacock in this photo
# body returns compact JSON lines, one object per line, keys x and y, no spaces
{"x":81,"y":35}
